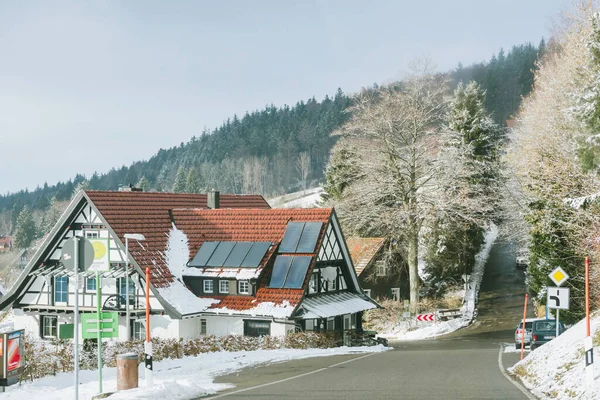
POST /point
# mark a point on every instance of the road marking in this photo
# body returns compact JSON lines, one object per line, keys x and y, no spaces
{"x":290,"y":378}
{"x":514,"y":382}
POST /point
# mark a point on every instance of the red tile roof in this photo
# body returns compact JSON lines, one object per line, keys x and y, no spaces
{"x":148,"y":214}
{"x":249,"y":226}
{"x":362,"y":251}
{"x":239,"y":218}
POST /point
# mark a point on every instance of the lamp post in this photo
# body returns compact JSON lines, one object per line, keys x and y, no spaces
{"x":138,"y":237}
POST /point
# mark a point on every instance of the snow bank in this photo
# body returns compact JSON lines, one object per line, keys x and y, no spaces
{"x":185,"y":378}
{"x":556,"y":370}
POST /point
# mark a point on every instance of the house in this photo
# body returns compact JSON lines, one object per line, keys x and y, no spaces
{"x":375,"y":276}
{"x":5,"y":244}
{"x":219,"y":265}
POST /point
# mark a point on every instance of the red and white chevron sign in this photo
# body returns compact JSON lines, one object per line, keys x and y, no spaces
{"x":425,"y":317}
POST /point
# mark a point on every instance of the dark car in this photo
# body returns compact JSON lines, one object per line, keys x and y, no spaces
{"x":543,"y":331}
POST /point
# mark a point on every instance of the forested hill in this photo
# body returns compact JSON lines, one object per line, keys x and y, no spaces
{"x":274,"y":150}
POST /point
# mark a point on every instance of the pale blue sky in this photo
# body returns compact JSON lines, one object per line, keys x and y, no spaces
{"x":90,"y":85}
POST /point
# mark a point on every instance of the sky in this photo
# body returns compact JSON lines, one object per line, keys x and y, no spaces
{"x":88,"y":86}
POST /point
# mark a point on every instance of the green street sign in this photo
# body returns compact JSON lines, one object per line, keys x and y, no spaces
{"x":109,"y":325}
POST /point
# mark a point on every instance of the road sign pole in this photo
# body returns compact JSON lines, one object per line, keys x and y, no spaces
{"x":148,"y":344}
{"x":589,"y":346}
{"x":557,"y":320}
{"x":76,"y":315}
{"x":524,"y":326}
{"x":98,"y":310}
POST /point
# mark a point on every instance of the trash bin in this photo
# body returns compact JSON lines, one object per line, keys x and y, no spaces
{"x":127,"y":371}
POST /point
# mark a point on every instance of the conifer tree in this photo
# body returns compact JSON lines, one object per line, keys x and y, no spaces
{"x":180,"y":180}
{"x":25,"y":230}
{"x":144,"y":184}
{"x":191,"y":184}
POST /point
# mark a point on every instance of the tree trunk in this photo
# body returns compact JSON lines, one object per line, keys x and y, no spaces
{"x":413,"y":271}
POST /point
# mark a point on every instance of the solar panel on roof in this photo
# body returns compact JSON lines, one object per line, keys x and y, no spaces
{"x":201,"y":258}
{"x":297,"y":273}
{"x":280,"y":271}
{"x":220,"y":254}
{"x":309,"y":237}
{"x":289,"y":243}
{"x":237,"y":255}
{"x":255,"y":255}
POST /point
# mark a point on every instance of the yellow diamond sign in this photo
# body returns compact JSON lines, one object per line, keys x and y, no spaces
{"x":558,"y":276}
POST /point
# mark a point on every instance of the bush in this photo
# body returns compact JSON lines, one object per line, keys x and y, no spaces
{"x":50,"y":357}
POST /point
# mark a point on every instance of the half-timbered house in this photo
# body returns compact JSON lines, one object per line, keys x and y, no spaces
{"x":219,"y":264}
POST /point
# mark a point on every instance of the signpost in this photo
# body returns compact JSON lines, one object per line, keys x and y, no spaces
{"x":558,"y":298}
{"x":109,"y":325}
{"x":78,"y":255}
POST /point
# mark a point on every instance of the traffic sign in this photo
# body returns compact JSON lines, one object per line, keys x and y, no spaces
{"x":558,"y":298}
{"x":101,"y":253}
{"x":558,"y":276}
{"x":425,"y":317}
{"x":109,"y":325}
{"x":85,"y":254}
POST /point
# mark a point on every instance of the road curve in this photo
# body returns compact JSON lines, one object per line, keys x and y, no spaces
{"x":462,"y":365}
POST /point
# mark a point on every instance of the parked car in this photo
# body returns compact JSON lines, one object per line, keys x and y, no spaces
{"x":522,"y":259}
{"x":519,"y":332}
{"x":544,"y":331}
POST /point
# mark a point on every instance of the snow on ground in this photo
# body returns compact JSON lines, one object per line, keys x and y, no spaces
{"x":409,"y":329}
{"x":185,"y":378}
{"x":556,"y":370}
{"x":304,"y":199}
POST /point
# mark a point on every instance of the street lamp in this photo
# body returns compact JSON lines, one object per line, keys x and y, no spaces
{"x":138,"y":237}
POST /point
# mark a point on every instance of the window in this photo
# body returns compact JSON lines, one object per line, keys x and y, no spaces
{"x":61,"y":289}
{"x":122,"y":285}
{"x":313,"y":284}
{"x":381,"y":268}
{"x":367,"y":292}
{"x":49,"y":328}
{"x":92,"y":235}
{"x":139,"y":330}
{"x":257,"y":328}
{"x":90,"y":285}
{"x":208,"y":286}
{"x":203,"y":327}
{"x":223,"y":286}
{"x":309,"y":324}
{"x":243,"y":287}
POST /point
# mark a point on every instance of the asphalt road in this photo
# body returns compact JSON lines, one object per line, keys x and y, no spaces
{"x":464,"y":365}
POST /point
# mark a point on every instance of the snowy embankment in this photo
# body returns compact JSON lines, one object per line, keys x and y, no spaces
{"x":186,"y":378}
{"x":308,"y":198}
{"x":556,"y":370}
{"x":409,"y":329}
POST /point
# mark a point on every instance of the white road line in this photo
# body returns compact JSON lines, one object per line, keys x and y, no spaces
{"x":514,"y":382}
{"x":290,"y":378}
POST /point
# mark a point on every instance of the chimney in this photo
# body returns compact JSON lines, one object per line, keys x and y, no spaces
{"x":213,"y":199}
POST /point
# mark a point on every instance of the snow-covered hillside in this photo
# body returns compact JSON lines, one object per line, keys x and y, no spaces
{"x":308,"y":198}
{"x":556,"y":370}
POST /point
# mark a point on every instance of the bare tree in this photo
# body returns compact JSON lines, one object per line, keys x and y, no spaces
{"x":397,"y":132}
{"x":303,"y":167}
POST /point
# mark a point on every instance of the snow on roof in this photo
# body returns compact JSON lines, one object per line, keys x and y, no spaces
{"x":232,"y":273}
{"x":330,"y":305}
{"x":184,"y":301}
{"x":177,"y":294}
{"x":266,"y":308}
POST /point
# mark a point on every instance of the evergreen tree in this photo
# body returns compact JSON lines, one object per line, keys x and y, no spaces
{"x":144,"y":184}
{"x":180,"y":180}
{"x":25,"y":231}
{"x":341,"y":171}
{"x":51,"y":217}
{"x":192,"y":184}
